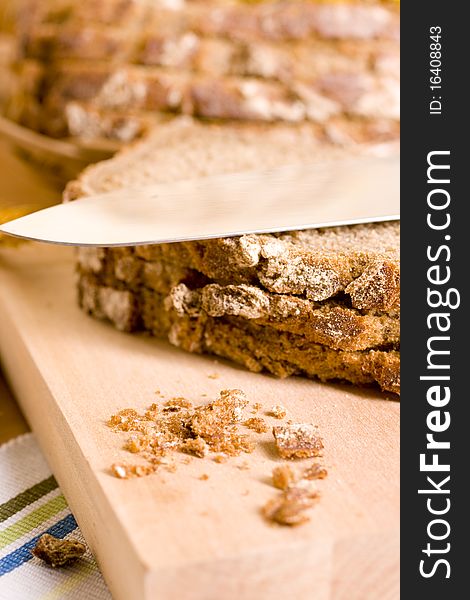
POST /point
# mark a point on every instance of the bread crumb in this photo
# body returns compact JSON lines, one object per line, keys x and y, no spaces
{"x":204,"y":477}
{"x":124,"y":471}
{"x":136,"y":443}
{"x":124,"y":420}
{"x":278,"y":411}
{"x":220,"y":458}
{"x":314,"y":471}
{"x":256,"y":424}
{"x":196,"y":446}
{"x":283,"y":477}
{"x":177,"y":403}
{"x":213,"y":376}
{"x":57,"y":552}
{"x":233,"y":401}
{"x":216,"y":423}
{"x":256,"y":408}
{"x":288,"y":508}
{"x":152,"y":412}
{"x":297,"y":440}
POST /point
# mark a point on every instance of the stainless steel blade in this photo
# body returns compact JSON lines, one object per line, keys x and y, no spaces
{"x":269,"y":200}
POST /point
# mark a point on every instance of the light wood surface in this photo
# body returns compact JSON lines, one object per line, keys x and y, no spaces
{"x":171,"y":535}
{"x":12,"y":422}
{"x":22,"y":184}
{"x":23,"y":187}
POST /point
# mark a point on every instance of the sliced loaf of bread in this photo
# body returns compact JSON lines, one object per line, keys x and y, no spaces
{"x":321,"y":303}
{"x":322,"y":61}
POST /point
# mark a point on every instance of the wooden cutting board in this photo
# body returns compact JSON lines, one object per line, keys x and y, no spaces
{"x":173,"y":536}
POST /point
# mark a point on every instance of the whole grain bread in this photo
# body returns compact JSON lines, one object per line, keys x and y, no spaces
{"x":184,"y":49}
{"x":334,"y":324}
{"x":326,"y":62}
{"x":255,"y":345}
{"x":325,"y":301}
{"x":152,"y":88}
{"x":236,"y":19}
{"x":83,"y":119}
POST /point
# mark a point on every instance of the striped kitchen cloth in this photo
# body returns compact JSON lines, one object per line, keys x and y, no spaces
{"x":31,"y":504}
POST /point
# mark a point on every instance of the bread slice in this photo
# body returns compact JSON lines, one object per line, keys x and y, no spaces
{"x":108,"y":64}
{"x":87,"y":122}
{"x":283,"y":20}
{"x":335,"y":323}
{"x":122,"y":102}
{"x":257,"y":347}
{"x":184,"y":49}
{"x":361,"y":263}
{"x":292,"y":20}
{"x":137,"y":87}
{"x":321,"y":303}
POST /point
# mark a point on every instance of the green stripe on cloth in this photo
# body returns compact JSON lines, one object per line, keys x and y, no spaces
{"x":32,"y":520}
{"x":87,"y":571}
{"x":8,"y":509}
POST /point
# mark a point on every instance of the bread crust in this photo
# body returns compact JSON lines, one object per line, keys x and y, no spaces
{"x":253,"y":343}
{"x":323,"y":303}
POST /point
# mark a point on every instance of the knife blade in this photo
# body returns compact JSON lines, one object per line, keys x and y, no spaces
{"x":288,"y":198}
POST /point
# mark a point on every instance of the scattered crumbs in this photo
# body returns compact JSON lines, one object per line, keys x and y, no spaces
{"x":220,"y":458}
{"x":203,"y":395}
{"x":278,"y":411}
{"x":178,"y":425}
{"x":314,"y":471}
{"x":157,"y":392}
{"x":213,"y":376}
{"x":124,"y":471}
{"x":214,"y":428}
{"x":256,"y":424}
{"x":283,"y":477}
{"x":289,"y":507}
{"x":297,"y":440}
{"x":56,"y":552}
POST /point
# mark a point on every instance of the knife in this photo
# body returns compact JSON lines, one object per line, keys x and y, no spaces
{"x":291,"y":197}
